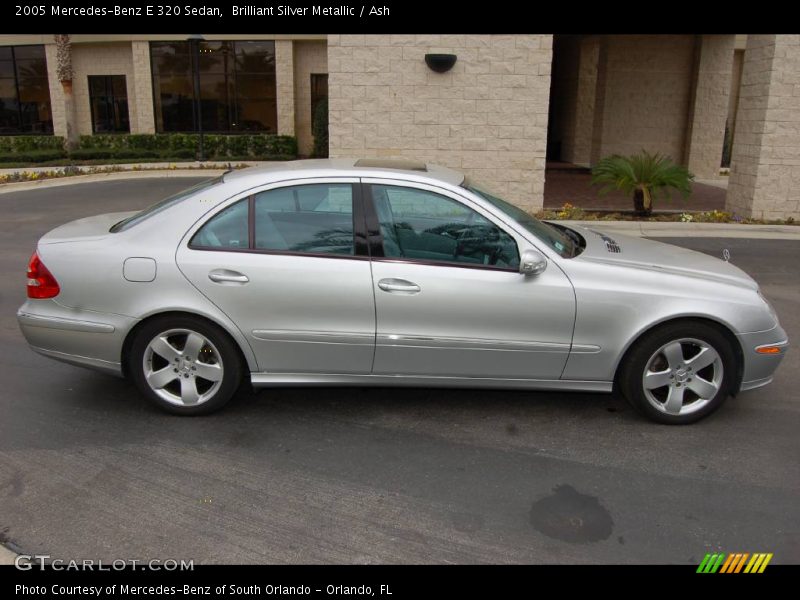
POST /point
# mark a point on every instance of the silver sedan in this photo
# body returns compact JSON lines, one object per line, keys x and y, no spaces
{"x":343,"y":272}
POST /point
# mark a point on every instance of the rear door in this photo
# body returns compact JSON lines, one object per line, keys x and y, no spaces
{"x":286,"y":266}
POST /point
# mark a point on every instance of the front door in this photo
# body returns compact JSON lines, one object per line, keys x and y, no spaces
{"x":450,"y":301}
{"x":283,"y":265}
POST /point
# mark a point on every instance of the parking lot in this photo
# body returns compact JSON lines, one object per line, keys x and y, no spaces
{"x":308,"y":475}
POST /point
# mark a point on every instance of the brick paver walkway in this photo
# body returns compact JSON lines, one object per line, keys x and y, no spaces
{"x":569,"y":183}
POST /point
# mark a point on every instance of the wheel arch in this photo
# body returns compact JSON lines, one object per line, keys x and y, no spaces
{"x":724,"y":328}
{"x":248,"y":360}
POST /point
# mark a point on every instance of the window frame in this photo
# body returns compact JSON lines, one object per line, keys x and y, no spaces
{"x":375,"y":237}
{"x":232,"y":103}
{"x":360,"y":244}
{"x":20,"y":129}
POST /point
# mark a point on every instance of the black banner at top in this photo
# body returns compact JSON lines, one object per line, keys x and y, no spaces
{"x":366,"y":16}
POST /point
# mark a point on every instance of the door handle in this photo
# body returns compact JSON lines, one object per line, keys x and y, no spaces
{"x":225,"y":276}
{"x":398,"y":285}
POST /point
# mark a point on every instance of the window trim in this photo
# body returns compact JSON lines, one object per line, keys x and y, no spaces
{"x":360,"y":245}
{"x":376,"y":237}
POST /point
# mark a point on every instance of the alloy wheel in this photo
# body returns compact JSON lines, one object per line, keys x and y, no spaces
{"x":682,"y":376}
{"x":183,"y":367}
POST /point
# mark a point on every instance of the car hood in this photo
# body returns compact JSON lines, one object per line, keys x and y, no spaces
{"x":641,"y":253}
{"x":90,"y":228}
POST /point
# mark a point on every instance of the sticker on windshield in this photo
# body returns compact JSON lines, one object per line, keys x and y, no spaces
{"x":559,"y":246}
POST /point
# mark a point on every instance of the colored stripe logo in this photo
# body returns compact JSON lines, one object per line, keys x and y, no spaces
{"x":738,"y":562}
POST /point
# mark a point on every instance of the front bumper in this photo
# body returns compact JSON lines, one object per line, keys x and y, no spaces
{"x":759,"y":368}
{"x":83,"y":338}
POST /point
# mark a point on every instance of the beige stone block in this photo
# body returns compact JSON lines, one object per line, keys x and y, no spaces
{"x":357,"y":40}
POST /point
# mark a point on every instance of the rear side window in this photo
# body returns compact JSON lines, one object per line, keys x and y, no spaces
{"x":227,"y":229}
{"x":307,"y":219}
{"x":313,"y":219}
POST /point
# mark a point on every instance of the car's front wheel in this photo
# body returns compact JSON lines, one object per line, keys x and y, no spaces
{"x":679,"y":373}
{"x":185,"y":365}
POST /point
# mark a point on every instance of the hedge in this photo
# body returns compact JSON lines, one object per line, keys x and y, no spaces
{"x":30,"y":143}
{"x":31,"y":156}
{"x":116,"y":153}
{"x":217,"y":146}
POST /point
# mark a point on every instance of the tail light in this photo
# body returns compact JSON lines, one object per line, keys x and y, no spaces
{"x":41,"y":283}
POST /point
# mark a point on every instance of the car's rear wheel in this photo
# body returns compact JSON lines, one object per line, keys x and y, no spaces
{"x":185,"y":365}
{"x":679,"y":373}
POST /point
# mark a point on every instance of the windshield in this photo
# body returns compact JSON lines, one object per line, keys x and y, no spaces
{"x":164,"y":205}
{"x":562,"y":240}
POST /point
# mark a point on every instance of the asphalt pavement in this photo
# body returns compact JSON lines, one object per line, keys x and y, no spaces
{"x":89,"y":470}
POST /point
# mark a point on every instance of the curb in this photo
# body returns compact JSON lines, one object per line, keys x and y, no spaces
{"x":672,"y":229}
{"x":23,"y":186}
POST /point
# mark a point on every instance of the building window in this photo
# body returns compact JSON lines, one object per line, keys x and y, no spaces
{"x":24,"y":91}
{"x":109,"y":101}
{"x":237,"y":86}
{"x":319,"y":91}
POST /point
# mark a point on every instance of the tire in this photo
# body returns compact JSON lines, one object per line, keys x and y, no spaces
{"x":197,"y":381}
{"x":679,"y":373}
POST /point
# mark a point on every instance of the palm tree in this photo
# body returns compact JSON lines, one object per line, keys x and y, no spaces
{"x":65,"y":74}
{"x":643,"y":175}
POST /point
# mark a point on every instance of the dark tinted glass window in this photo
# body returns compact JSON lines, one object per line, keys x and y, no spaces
{"x":173,"y":91}
{"x":319,"y":91}
{"x":421,"y":225}
{"x":237,"y":86}
{"x":317,"y":219}
{"x":108,"y":96}
{"x":24,"y":91}
{"x":227,"y":229}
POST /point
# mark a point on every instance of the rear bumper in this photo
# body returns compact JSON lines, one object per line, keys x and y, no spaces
{"x":82,"y":338}
{"x":759,"y":368}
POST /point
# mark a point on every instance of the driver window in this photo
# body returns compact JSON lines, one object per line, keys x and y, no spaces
{"x":421,"y":225}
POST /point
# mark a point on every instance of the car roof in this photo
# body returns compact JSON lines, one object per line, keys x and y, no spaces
{"x":345,"y":167}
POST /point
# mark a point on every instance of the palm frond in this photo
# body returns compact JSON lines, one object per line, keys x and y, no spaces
{"x":652,"y":173}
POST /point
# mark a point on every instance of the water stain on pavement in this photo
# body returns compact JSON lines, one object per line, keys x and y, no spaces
{"x":570,"y":516}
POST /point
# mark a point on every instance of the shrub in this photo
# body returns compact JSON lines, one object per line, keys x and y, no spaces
{"x":182,"y":153}
{"x":643,"y":175}
{"x":135,"y":153}
{"x":112,"y":153}
{"x":31,"y":156}
{"x":185,"y":145}
{"x":30,"y":143}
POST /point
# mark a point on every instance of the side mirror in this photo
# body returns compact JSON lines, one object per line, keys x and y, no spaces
{"x":532,"y":262}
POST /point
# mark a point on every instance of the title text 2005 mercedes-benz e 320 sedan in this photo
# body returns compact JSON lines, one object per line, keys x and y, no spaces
{"x":343,"y":272}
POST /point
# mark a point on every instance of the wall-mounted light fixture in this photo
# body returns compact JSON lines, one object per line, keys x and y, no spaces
{"x":441,"y":63}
